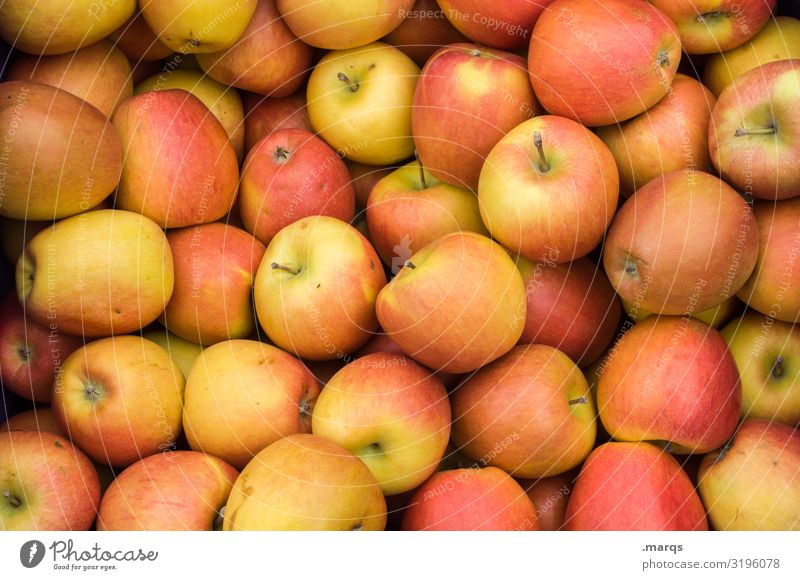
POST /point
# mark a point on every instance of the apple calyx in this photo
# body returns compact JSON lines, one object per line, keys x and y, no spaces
{"x":11,"y":498}
{"x":662,"y":58}
{"x":281,"y":155}
{"x":777,"y":368}
{"x":741,"y":131}
{"x":219,"y":518}
{"x":276,"y":266}
{"x":421,"y":170}
{"x":544,"y":166}
{"x":353,"y":86}
{"x":372,"y":449}
{"x":630,"y":267}
{"x":24,"y":353}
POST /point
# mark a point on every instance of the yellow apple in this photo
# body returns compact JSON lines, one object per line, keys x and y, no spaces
{"x":182,"y":352}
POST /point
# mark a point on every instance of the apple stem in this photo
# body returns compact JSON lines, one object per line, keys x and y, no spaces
{"x":777,"y":369}
{"x":345,"y":79}
{"x":281,"y":155}
{"x":421,"y":170}
{"x":578,"y":401}
{"x":410,"y":264}
{"x":219,"y":519}
{"x":544,"y":166}
{"x":12,"y":499}
{"x":741,"y":131}
{"x":276,"y":266}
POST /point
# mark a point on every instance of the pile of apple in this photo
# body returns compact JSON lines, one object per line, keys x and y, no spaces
{"x":325,"y":264}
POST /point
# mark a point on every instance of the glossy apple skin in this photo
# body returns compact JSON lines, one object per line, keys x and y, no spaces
{"x":263,"y":115}
{"x":56,"y":484}
{"x":671,"y":379}
{"x":423,"y":31}
{"x":753,"y":483}
{"x":473,"y":499}
{"x":140,"y":44}
{"x":633,"y":487}
{"x":564,"y":208}
{"x":455,"y":327}
{"x":242,"y":396}
{"x":305,"y":482}
{"x":179,"y":490}
{"x":764,"y":98}
{"x":658,"y":252}
{"x":571,"y":307}
{"x":466,"y":99}
{"x":602,"y":63}
{"x":550,"y":496}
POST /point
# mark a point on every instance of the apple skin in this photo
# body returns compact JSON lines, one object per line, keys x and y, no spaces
{"x":305,"y":482}
{"x":38,"y":419}
{"x":762,"y":99}
{"x":550,"y":496}
{"x":658,"y":253}
{"x":764,"y":350}
{"x":364,"y":178}
{"x":529,"y":413}
{"x":15,"y":235}
{"x":712,"y":26}
{"x":671,"y":379}
{"x":670,"y":136}
{"x":457,"y":304}
{"x":571,"y":307}
{"x":364,"y":114}
{"x":391,"y":413}
{"x":779,"y":39}
{"x":178,"y":491}
{"x":55,"y":483}
{"x":263,"y":115}
{"x":318,"y":300}
{"x":753,"y":483}
{"x":30,"y":353}
{"x":467,"y":98}
{"x":140,"y":44}
{"x":471,"y":499}
{"x":289,"y":175}
{"x":564,"y":208}
{"x":111,"y":271}
{"x":267,"y":59}
{"x":423,"y":31}
{"x":505,"y":25}
{"x":715,"y":317}
{"x":602,"y":63}
{"x":404,"y":214}
{"x":774,"y":287}
{"x":182,"y":352}
{"x":61,"y":155}
{"x":243,"y":395}
{"x":120,"y":399}
{"x":633,"y":487}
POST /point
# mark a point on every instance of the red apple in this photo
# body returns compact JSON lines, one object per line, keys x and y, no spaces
{"x":550,"y":496}
{"x":424,"y":30}
{"x":263,"y":115}
{"x":138,"y":42}
{"x":505,"y":25}
{"x":364,"y":178}
{"x":37,"y":419}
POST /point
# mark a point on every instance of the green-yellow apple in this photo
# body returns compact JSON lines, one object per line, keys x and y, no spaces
{"x":671,"y":135}
{"x":456,"y":305}
{"x":60,"y":155}
{"x":424,"y":30}
{"x":633,"y":487}
{"x":506,"y":24}
{"x":263,"y":115}
{"x":715,"y":317}
{"x":179,"y":490}
{"x":471,"y":499}
{"x":316,"y":288}
{"x":549,"y":186}
{"x":305,"y":482}
{"x":671,"y":379}
{"x":391,"y":413}
{"x":120,"y":399}
{"x":291,"y":174}
{"x":182,"y":352}
{"x":57,"y":27}
{"x":753,"y":483}
{"x":410,"y":208}
{"x":364,"y":178}
{"x":360,"y":102}
{"x":138,"y":42}
{"x":529,"y":413}
{"x":779,"y":39}
{"x":602,"y":63}
{"x":764,"y":350}
{"x":550,"y":496}
{"x":341,"y":24}
{"x":754,"y":136}
{"x":243,"y":395}
{"x":46,"y":484}
{"x":37,"y":419}
{"x":661,"y":255}
{"x":467,"y":98}
{"x":267,"y":59}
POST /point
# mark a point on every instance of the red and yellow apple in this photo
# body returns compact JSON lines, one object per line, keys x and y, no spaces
{"x":263,"y":115}
{"x":423,"y":31}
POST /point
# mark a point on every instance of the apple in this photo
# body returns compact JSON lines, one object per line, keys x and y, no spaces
{"x":633,"y":487}
{"x":15,"y":235}
{"x":37,"y":419}
{"x":305,"y":482}
{"x":550,"y":496}
{"x":138,"y":42}
{"x":263,"y":115}
{"x":715,"y":317}
{"x":364,"y":178}
{"x":505,"y":25}
{"x":60,"y":155}
{"x":423,"y":31}
{"x":660,"y":255}
{"x":471,"y":499}
{"x":267,"y":59}
{"x":466,"y":99}
{"x":671,"y":379}
{"x":571,"y":307}
{"x":753,"y":138}
{"x":711,"y":26}
{"x":57,"y":27}
{"x":339,"y":24}
{"x":360,"y":102}
{"x":316,"y":288}
{"x":602,"y":63}
{"x":46,"y":484}
{"x":456,"y":305}
{"x":119,"y":399}
{"x":549,"y":187}
{"x":181,"y":490}
{"x":389,"y":412}
{"x":671,"y":135}
{"x":182,"y":352}
{"x":779,"y":39}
